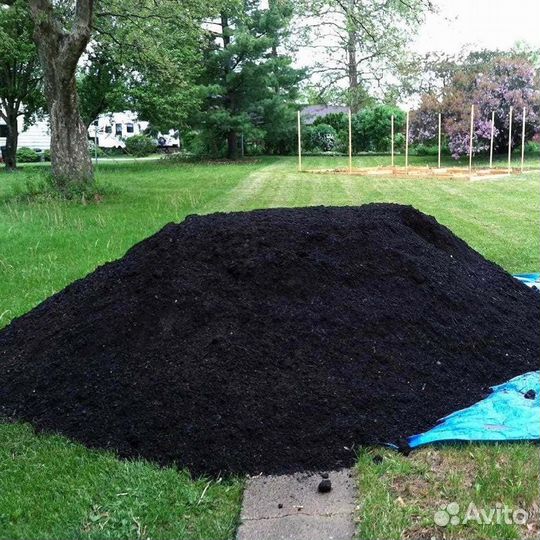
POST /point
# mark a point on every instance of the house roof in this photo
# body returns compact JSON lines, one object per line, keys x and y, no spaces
{"x":312,"y":112}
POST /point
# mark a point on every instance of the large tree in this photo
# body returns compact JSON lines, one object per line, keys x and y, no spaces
{"x":359,"y":42}
{"x":61,"y":38}
{"x":144,"y":51}
{"x":249,"y":83}
{"x":20,"y":74}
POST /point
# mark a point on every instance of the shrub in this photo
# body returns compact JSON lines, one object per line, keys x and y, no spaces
{"x":428,"y":150}
{"x":92,"y":150}
{"x":46,"y":155}
{"x":532,"y":147}
{"x":113,"y":152}
{"x":342,"y":142}
{"x":193,"y":143}
{"x":338,"y":121}
{"x":27,"y":155}
{"x":321,"y":137}
{"x":140,"y":145}
{"x":399,"y":142}
{"x":371,"y":128}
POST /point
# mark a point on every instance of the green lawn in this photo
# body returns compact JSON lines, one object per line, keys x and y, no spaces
{"x":53,"y":488}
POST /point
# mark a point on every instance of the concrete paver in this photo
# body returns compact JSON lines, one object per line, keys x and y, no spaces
{"x":289,"y":507}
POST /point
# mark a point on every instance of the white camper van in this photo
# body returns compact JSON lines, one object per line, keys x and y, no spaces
{"x":111,"y":130}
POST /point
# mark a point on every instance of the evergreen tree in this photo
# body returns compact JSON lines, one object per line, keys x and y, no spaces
{"x":249,"y":85}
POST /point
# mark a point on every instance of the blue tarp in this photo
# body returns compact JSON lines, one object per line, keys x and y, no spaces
{"x":510,"y":413}
{"x":505,"y":415}
{"x":531,"y":280}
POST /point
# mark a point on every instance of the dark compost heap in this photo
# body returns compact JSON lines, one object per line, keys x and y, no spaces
{"x":270,"y":340}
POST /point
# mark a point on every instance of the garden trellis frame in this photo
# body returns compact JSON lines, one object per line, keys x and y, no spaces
{"x":439,"y":171}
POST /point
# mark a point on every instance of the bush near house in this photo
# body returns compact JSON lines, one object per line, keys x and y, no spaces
{"x":320,"y":137}
{"x":27,"y":155}
{"x":340,"y":123}
{"x":140,"y":145}
{"x":113,"y":152}
{"x":337,"y":120}
{"x":371,"y":128}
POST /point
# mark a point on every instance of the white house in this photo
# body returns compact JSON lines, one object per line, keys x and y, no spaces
{"x":111,"y":130}
{"x":37,"y":136}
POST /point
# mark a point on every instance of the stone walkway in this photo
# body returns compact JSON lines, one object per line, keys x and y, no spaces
{"x":289,"y":507}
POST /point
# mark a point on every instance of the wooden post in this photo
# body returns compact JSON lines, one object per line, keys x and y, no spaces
{"x":350,"y":141}
{"x":392,"y":139}
{"x":407,"y":143}
{"x":440,"y":137}
{"x":510,"y":140}
{"x":471,"y":138}
{"x":523,"y":140}
{"x":491,"y":141}
{"x":299,"y":143}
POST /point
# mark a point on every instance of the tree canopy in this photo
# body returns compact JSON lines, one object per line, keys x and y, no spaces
{"x":248,"y":84}
{"x":493,"y":86}
{"x":359,"y":44}
{"x":20,"y":74}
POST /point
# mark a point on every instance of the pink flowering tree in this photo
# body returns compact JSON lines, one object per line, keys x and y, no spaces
{"x":503,"y":83}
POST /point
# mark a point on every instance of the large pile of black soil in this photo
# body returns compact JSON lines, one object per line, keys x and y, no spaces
{"x":270,"y":340}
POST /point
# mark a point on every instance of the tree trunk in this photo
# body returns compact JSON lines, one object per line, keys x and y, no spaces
{"x":225,"y":30}
{"x":59,"y":51}
{"x":352,"y":69}
{"x":232,"y":145}
{"x":232,"y":139}
{"x":352,"y":66}
{"x":10,"y":152}
{"x":70,"y":156}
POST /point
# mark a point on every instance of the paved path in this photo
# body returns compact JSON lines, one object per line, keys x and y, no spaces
{"x":289,"y":507}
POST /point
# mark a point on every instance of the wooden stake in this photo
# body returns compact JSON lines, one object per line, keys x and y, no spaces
{"x":510,"y":140}
{"x":392,"y":139}
{"x":440,"y":136}
{"x":491,"y":142}
{"x":523,"y":139}
{"x":299,"y":127}
{"x":350,"y":141}
{"x":407,"y":143}
{"x":471,"y":138}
